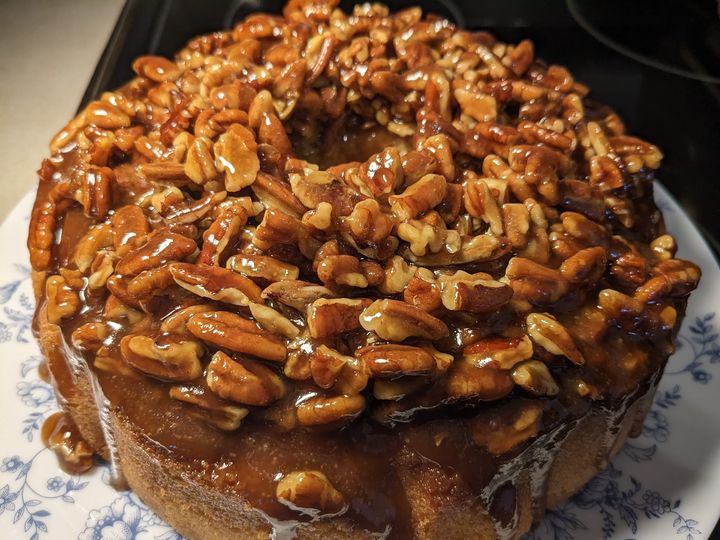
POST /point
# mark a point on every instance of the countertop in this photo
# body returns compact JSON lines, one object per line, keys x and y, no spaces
{"x":48,"y":51}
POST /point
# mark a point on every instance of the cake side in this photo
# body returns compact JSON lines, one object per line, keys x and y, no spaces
{"x":184,"y":494}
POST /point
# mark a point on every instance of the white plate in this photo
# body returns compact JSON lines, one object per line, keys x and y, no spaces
{"x":662,"y":485}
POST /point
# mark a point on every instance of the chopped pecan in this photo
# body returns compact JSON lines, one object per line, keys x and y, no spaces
{"x":424,"y":237}
{"x":319,"y":410}
{"x":476,"y":293}
{"x":129,"y":227}
{"x":90,"y":336}
{"x":391,"y":360}
{"x":382,"y":173}
{"x":96,"y":191}
{"x":263,"y":267}
{"x":199,"y":161}
{"x":535,"y":283}
{"x":664,"y":247}
{"x":481,"y":203}
{"x":534,"y":376}
{"x":273,"y":321}
{"x":61,"y":300}
{"x":166,"y":357}
{"x":395,"y":321}
{"x":398,"y":274}
{"x":236,"y":155}
{"x":231,"y":331}
{"x":244,"y":381}
{"x":344,"y":374}
{"x":504,"y":353}
{"x":332,"y":316}
{"x":208,"y":407}
{"x":423,"y":195}
{"x":423,"y":291}
{"x":367,"y":222}
{"x":349,"y":271}
{"x":296,"y":294}
{"x":546,"y":331}
{"x":309,"y":491}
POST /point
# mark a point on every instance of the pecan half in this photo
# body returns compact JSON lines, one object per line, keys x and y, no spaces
{"x":231,"y":331}
{"x":309,"y":491}
{"x":296,"y":294}
{"x":161,"y":248}
{"x":216,"y":283}
{"x":395,"y":321}
{"x":392,"y":360}
{"x":243,"y":381}
{"x":262,"y":266}
{"x":320,"y":410}
{"x":208,"y":407}
{"x":166,"y":357}
{"x":423,"y":195}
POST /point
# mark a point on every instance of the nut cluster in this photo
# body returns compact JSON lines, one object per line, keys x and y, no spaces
{"x":504,"y":231}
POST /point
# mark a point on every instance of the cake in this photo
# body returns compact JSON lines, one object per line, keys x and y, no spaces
{"x":351,"y":275}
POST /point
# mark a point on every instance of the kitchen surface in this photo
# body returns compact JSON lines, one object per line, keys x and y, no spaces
{"x":48,"y":52}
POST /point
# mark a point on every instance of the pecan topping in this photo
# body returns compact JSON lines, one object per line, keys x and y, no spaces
{"x":367,"y":210}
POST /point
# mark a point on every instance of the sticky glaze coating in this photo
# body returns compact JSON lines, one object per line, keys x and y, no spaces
{"x":315,"y":244}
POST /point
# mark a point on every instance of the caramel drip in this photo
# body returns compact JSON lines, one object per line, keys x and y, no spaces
{"x":60,"y":434}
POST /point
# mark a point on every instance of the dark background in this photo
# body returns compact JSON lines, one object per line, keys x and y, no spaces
{"x":656,"y":62}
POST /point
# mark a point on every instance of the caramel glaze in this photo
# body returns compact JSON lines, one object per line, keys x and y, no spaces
{"x":361,"y":458}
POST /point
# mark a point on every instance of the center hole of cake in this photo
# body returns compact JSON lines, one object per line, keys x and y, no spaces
{"x":344,"y":140}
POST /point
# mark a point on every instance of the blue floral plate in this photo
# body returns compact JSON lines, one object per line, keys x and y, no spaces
{"x":663,"y":484}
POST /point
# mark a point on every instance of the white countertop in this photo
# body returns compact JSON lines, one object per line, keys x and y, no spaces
{"x":48,"y":52}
